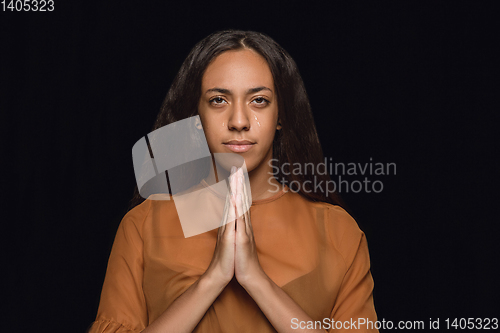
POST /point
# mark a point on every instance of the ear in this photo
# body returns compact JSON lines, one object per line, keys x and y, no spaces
{"x":279,"y":125}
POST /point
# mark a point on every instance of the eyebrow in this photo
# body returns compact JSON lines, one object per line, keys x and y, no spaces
{"x":229,"y":92}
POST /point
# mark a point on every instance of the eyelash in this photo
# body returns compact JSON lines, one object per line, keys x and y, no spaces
{"x":265,"y":100}
{"x":213,"y":99}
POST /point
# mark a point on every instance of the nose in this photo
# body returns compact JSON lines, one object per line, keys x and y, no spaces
{"x":239,"y":119}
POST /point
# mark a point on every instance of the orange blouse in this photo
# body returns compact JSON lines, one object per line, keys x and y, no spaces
{"x":313,"y":250}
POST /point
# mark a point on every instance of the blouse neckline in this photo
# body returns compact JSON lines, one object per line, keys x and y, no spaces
{"x":275,"y":196}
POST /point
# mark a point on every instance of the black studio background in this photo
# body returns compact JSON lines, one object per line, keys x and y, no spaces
{"x":407,"y":83}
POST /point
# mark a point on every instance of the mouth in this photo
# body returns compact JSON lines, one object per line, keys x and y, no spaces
{"x":239,"y":146}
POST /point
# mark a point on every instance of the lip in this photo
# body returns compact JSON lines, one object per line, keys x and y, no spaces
{"x":239,"y":146}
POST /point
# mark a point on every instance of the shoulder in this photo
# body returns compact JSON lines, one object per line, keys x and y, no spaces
{"x":135,"y":218}
{"x":338,"y":221}
{"x":343,"y":230}
{"x":157,"y":214}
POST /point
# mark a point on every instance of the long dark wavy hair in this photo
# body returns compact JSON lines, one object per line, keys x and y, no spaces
{"x":296,"y":142}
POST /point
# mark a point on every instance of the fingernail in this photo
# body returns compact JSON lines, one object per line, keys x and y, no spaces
{"x":240,"y":179}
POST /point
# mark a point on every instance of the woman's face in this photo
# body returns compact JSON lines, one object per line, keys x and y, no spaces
{"x":238,"y":106}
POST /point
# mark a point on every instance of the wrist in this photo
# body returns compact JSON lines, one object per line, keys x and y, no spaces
{"x":211,"y":281}
{"x":259,"y":281}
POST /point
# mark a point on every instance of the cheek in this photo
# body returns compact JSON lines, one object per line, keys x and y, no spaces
{"x":214,"y":136}
{"x":265,"y":125}
{"x":265,"y":118}
{"x":257,"y":120}
{"x":266,"y":133}
{"x":211,"y":135}
{"x":210,"y":128}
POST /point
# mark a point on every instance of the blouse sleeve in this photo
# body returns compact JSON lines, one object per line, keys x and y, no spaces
{"x":122,"y":307}
{"x":354,"y":306}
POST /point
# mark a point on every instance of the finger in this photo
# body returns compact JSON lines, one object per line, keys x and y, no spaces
{"x":240,"y":203}
{"x":246,"y":209}
{"x":238,"y":191}
{"x":240,"y":223}
{"x":229,"y":231}
{"x":229,"y":227}
{"x":233,"y":192}
{"x":232,"y":184}
{"x":229,"y":211}
{"x":232,"y":181}
{"x":232,"y":224}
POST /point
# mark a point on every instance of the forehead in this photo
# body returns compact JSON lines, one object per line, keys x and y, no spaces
{"x":241,"y":68}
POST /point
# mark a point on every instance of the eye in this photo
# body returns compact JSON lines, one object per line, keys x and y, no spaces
{"x":261,"y":101}
{"x":216,"y":101}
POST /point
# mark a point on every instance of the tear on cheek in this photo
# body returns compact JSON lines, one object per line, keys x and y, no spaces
{"x":257,"y":120}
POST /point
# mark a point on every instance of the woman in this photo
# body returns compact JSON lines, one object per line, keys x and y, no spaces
{"x":295,"y":261}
